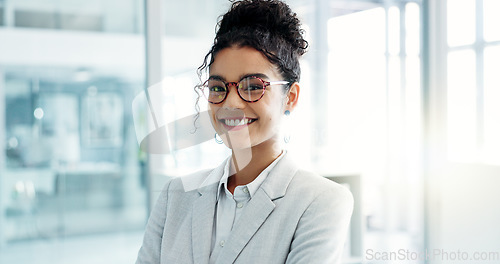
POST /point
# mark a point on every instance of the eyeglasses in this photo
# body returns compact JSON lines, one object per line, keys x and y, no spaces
{"x":250,"y":89}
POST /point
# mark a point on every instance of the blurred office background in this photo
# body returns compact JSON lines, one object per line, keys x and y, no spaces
{"x":399,"y":101}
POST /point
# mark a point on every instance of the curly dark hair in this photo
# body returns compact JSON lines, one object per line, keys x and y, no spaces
{"x":269,"y":26}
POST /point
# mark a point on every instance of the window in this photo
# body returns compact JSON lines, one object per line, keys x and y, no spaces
{"x":473,"y":85}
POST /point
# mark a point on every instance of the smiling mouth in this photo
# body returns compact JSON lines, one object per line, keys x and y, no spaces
{"x":236,"y":122}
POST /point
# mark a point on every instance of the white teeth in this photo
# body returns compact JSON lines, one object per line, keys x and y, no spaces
{"x":237,"y":122}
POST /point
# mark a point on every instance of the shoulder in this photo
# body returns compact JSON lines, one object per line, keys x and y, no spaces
{"x":188,"y":183}
{"x":314,"y":186}
{"x":300,"y":186}
{"x":324,"y":209}
{"x":315,"y":195}
{"x":195,"y":180}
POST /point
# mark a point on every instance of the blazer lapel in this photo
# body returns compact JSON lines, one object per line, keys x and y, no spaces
{"x":258,"y":209}
{"x":254,"y":215}
{"x":202,"y":224}
{"x":203,"y":216}
{"x":280,"y":177}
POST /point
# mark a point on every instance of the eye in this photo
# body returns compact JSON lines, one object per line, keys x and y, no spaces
{"x":254,"y":87}
{"x":217,"y":89}
{"x":251,"y":84}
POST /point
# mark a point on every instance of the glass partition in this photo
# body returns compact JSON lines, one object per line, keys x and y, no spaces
{"x":71,"y":166}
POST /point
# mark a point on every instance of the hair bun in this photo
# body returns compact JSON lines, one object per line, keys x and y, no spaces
{"x":267,"y":16}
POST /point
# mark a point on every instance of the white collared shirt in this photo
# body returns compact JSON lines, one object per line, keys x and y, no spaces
{"x":229,"y":206}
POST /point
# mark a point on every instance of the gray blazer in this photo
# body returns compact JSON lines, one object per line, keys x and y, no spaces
{"x":294,"y":217}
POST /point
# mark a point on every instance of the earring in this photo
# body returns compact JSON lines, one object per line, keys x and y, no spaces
{"x":287,"y":135}
{"x":219,"y":139}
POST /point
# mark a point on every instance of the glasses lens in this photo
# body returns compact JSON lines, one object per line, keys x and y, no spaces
{"x":214,"y":91}
{"x":251,"y":89}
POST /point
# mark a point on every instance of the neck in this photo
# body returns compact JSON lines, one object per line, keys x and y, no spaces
{"x":247,"y":164}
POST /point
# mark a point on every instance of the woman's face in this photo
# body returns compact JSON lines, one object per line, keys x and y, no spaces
{"x":262,"y":119}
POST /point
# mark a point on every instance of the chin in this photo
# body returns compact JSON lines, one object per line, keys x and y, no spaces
{"x":237,"y":141}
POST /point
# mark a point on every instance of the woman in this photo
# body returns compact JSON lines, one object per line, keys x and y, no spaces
{"x":257,"y":206}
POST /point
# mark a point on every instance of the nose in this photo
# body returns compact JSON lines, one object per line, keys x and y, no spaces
{"x":233,"y":99}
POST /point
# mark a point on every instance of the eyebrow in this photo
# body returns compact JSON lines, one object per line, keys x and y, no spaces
{"x":260,"y":75}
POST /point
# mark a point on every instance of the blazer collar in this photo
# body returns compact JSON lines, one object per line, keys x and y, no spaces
{"x":258,"y":209}
{"x":213,"y":177}
{"x":275,"y":184}
{"x":280,"y":177}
